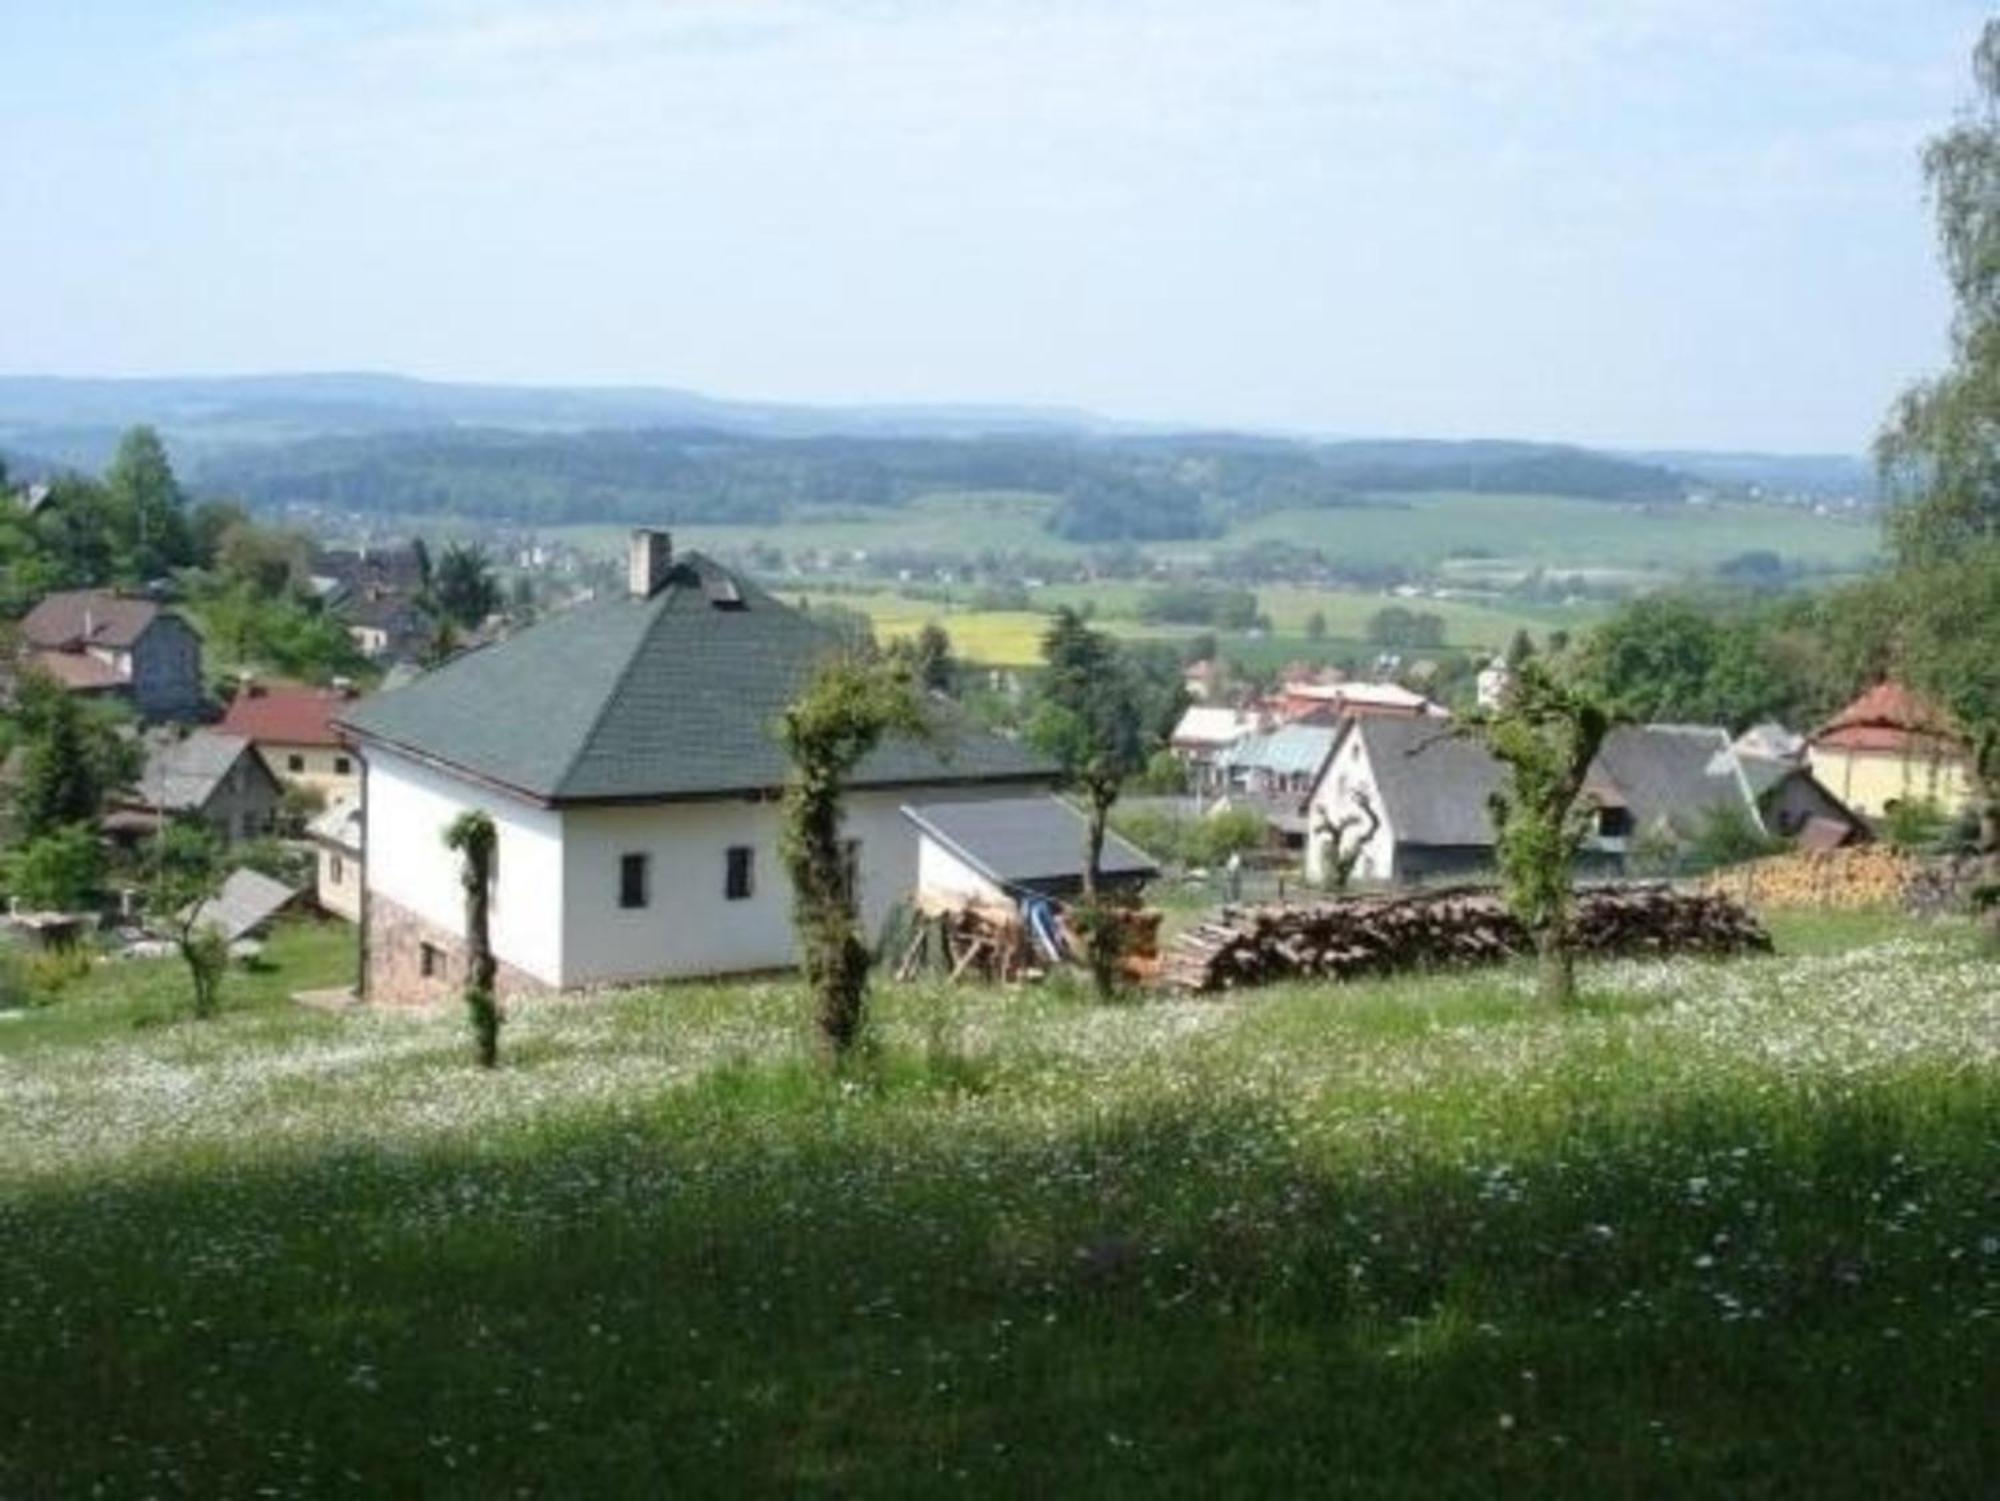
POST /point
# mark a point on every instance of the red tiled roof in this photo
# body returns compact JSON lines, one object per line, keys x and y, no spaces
{"x":286,"y":716}
{"x":98,"y":617}
{"x":77,"y":671}
{"x":1892,"y":719}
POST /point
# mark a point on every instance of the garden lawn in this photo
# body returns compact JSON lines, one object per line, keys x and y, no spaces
{"x":1724,"y":1230}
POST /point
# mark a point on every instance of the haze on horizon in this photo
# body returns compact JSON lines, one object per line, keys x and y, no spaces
{"x":1693,"y":223}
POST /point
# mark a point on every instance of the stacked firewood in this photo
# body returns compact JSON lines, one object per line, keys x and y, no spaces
{"x":1365,"y":935}
{"x":1860,"y":876}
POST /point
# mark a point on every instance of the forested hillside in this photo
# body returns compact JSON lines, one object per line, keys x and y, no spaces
{"x":1108,"y":489}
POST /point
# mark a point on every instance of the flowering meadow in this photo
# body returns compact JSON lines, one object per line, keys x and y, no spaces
{"x":1727,"y":1229}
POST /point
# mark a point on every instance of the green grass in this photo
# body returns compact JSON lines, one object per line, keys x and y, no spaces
{"x":1509,"y":532}
{"x":1725,"y":1230}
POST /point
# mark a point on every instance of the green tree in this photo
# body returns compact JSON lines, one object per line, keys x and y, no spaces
{"x":187,"y":873}
{"x":1939,"y":452}
{"x":1545,"y":736}
{"x":472,"y":837}
{"x":930,"y":658}
{"x":72,"y":756}
{"x":61,"y":871}
{"x":1316,"y":626}
{"x":466,"y":590}
{"x":149,"y":505}
{"x":1089,"y":721}
{"x":850,"y":704}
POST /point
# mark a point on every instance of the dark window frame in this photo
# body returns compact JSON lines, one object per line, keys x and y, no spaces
{"x":635,"y":881}
{"x":739,"y":876}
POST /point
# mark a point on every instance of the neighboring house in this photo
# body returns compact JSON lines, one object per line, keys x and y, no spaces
{"x":336,"y":835}
{"x":245,"y":906}
{"x":215,"y":777}
{"x":1771,"y":741}
{"x":626,"y":753}
{"x":292,"y":728}
{"x":98,"y":641}
{"x":1284,"y":760}
{"x":1890,"y":746}
{"x":1650,"y":784}
{"x":384,"y":626}
{"x":1354,"y":701}
{"x":1205,"y":732}
{"x":1490,"y":687}
{"x":1000,"y":850}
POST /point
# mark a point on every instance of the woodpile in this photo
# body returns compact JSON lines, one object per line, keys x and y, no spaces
{"x":988,"y":942}
{"x":1377,"y":935}
{"x":1859,"y":876}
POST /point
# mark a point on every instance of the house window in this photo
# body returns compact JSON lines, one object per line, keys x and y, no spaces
{"x":337,"y":869}
{"x":736,"y":884}
{"x":341,"y":766}
{"x":632,"y":880}
{"x":1614,"y":823}
{"x":295,"y":763}
{"x":430,"y":960}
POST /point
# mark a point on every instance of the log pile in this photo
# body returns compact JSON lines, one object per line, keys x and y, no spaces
{"x":1857,"y":877}
{"x":1375,"y":935}
{"x":960,"y":940}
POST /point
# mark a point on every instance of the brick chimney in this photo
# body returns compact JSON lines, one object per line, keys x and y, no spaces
{"x":652,"y":559}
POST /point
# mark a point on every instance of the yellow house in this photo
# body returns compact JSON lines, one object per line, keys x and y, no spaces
{"x":1892,"y":746}
{"x":292,"y":729}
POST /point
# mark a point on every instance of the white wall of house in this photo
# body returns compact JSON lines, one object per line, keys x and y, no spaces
{"x":410,"y":805}
{"x":1346,"y":777}
{"x":689,"y":925}
{"x":940,"y":873}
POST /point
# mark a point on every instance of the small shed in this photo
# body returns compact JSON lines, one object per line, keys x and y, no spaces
{"x":247,"y":902}
{"x":994,"y":851}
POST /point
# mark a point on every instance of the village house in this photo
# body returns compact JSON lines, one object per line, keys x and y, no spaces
{"x":214,"y":777}
{"x":1297,"y":700}
{"x":1892,"y":746}
{"x":336,"y":839}
{"x":102,"y":642}
{"x":999,"y":850}
{"x":626,"y":753}
{"x":1652,"y":786}
{"x":292,"y":729}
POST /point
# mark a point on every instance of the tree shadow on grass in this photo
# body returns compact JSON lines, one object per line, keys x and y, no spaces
{"x":777,"y":1283}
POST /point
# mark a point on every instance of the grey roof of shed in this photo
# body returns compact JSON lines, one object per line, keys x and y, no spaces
{"x":1676,"y":774}
{"x":182,"y":775}
{"x":673,"y":696}
{"x":247,"y":901}
{"x":1023,"y":841}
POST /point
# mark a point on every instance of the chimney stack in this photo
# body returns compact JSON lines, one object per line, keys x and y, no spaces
{"x":652,"y":560}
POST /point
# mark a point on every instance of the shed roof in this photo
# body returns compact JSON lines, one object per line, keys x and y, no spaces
{"x":1025,"y":841}
{"x":1290,"y":750}
{"x":672,"y":696}
{"x":247,"y":901}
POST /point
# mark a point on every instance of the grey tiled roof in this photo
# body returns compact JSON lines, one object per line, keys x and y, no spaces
{"x":1434,"y":788}
{"x":182,"y":775}
{"x":247,"y":901}
{"x":671,"y":696}
{"x":1673,"y":774}
{"x":1025,"y":841}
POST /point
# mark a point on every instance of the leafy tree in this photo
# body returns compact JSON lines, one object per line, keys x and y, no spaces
{"x":464,"y":586}
{"x":61,"y":871}
{"x":929,"y":656}
{"x":1939,"y":452}
{"x":1316,"y":626}
{"x":150,"y":506}
{"x":72,"y":756}
{"x":187,"y":872}
{"x":1396,"y":625}
{"x":1545,"y":735}
{"x":848,"y":707}
{"x":1729,"y":835}
{"x":1088,"y":720}
{"x":472,"y":837}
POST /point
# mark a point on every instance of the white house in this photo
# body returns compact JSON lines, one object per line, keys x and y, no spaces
{"x":625,"y":752}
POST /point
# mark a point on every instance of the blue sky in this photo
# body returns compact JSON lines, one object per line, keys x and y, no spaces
{"x":1673,"y":222}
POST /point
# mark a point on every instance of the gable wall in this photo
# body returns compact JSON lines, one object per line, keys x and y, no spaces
{"x":1349,"y":773}
{"x":166,"y":670}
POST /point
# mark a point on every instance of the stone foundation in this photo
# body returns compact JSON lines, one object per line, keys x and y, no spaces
{"x":396,"y":937}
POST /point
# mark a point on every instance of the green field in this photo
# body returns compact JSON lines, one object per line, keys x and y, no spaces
{"x":1412,"y":531}
{"x":1724,"y":1230}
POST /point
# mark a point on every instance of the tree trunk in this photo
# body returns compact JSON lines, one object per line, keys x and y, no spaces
{"x":1101,"y":929}
{"x":1555,"y":968}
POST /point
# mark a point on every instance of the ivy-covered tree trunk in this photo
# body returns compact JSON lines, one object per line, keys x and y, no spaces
{"x":472,"y":836}
{"x":848,"y":707}
{"x":1097,"y":920}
